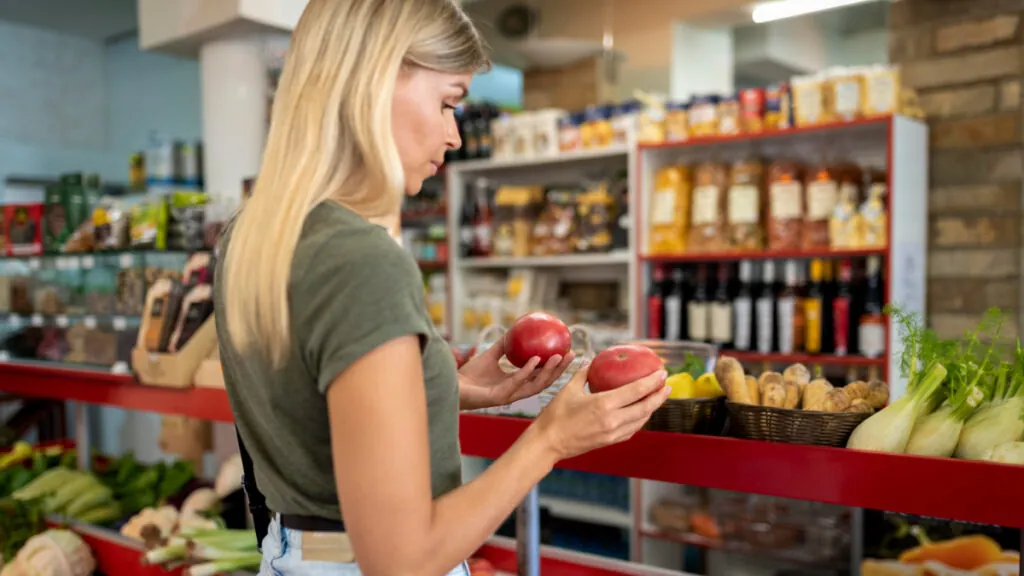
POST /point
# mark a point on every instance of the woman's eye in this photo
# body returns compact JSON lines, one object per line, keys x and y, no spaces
{"x":447,"y":106}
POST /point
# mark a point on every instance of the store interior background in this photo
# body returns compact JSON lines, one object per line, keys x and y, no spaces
{"x":82,"y":95}
{"x":77,"y":93}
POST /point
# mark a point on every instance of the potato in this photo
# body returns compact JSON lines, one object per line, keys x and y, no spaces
{"x":798,"y":374}
{"x":836,"y":400}
{"x":860,"y":405}
{"x":753,"y":391}
{"x":774,"y":392}
{"x":814,"y":394}
{"x":878,"y":395}
{"x":857,"y":389}
{"x":730,"y":376}
{"x":766,"y":377}
{"x":793,"y":394}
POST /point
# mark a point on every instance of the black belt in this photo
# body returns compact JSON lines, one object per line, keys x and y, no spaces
{"x":311,"y":523}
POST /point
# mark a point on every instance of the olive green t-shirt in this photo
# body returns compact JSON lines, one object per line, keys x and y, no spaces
{"x":352,"y":288}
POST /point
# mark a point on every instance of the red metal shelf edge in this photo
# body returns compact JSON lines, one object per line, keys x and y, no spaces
{"x":821,"y":359}
{"x":889,"y":482}
{"x":832,"y":126}
{"x":120,"y":391}
{"x":764,"y":255}
{"x":114,"y":557}
{"x":941,"y":487}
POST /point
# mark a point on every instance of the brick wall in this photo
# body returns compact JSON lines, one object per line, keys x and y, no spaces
{"x":966,"y":59}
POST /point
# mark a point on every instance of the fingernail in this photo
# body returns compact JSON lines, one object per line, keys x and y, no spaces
{"x":662,"y":374}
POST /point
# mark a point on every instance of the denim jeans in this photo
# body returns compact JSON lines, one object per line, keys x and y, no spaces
{"x":282,"y":556}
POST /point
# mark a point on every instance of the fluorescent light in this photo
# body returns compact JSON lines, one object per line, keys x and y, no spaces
{"x":781,"y":9}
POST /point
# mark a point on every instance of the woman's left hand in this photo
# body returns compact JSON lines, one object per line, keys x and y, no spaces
{"x":483,"y":384}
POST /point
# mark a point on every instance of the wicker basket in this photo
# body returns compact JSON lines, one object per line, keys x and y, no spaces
{"x":689,"y":416}
{"x":792,"y":426}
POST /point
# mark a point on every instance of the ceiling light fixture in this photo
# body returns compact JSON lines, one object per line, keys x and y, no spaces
{"x":782,"y":9}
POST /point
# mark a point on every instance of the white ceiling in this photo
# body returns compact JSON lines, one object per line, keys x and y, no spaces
{"x":94,"y":19}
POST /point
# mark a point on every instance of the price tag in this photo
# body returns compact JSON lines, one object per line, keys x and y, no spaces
{"x":126,"y":260}
{"x":33,"y":263}
{"x":90,"y":322}
{"x":37,"y":320}
{"x":4,"y":356}
{"x":120,"y":323}
{"x":61,"y":263}
{"x":14,"y":321}
{"x":74,"y":263}
{"x":120,"y":368}
{"x":62,"y":321}
{"x":88,"y":262}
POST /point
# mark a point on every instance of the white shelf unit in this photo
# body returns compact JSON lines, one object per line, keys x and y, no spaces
{"x":620,"y":266}
{"x":897,"y":145}
{"x":900,"y":145}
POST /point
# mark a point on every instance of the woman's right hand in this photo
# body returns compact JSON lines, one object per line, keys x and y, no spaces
{"x":577,"y":421}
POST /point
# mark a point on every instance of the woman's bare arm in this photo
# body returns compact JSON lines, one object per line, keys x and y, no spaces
{"x":382,"y":464}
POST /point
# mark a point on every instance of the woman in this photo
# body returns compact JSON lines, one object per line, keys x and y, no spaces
{"x":343,"y":392}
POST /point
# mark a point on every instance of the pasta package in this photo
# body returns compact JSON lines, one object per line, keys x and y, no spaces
{"x":670,"y":210}
{"x":785,"y":205}
{"x":708,"y":214}
{"x":745,"y":206}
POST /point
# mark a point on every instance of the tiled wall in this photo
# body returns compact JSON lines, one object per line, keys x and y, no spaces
{"x":68,"y":103}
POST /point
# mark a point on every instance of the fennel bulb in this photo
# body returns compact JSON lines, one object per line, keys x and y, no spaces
{"x":889,"y":429}
{"x":994,"y":424}
{"x":1006,"y":453}
{"x":935,"y":434}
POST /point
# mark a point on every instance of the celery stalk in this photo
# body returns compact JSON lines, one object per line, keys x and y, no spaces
{"x":250,"y":562}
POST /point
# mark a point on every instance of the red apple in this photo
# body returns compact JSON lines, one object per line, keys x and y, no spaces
{"x":536,"y":334}
{"x":619,"y":365}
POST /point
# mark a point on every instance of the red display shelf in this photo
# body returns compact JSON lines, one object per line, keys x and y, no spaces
{"x":832,"y":126}
{"x":122,"y":391}
{"x":116,"y":555}
{"x":762,"y":255}
{"x":890,"y":482}
{"x":810,"y":359}
{"x":941,"y":487}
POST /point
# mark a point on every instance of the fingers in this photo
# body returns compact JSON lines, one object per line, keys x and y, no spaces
{"x":634,"y":391}
{"x":642,"y":410}
{"x":529,"y":381}
{"x":496,"y":350}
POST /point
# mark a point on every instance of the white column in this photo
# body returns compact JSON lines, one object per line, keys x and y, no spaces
{"x":234,"y":87}
{"x":233,"y":74}
{"x":703,"y":62}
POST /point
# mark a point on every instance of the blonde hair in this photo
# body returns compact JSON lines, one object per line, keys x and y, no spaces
{"x":330,"y":139}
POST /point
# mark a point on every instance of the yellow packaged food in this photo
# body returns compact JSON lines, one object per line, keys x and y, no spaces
{"x":670,"y":210}
{"x":847,"y":88}
{"x":676,"y":122}
{"x":651,"y":125}
{"x":809,"y":105}
{"x":882,"y":91}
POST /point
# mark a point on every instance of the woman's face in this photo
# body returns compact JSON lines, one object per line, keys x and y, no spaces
{"x":423,"y":121}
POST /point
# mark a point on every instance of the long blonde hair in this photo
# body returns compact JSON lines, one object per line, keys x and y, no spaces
{"x":330,"y":139}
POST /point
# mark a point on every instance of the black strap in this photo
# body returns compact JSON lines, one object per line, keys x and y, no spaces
{"x":257,"y":502}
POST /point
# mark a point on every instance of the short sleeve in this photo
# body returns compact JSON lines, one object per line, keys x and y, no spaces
{"x":351,"y":297}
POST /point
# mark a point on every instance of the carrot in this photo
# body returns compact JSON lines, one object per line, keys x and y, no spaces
{"x":705,"y":525}
{"x":965,"y":552}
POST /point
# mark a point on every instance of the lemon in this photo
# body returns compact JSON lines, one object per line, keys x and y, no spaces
{"x":682,"y":385}
{"x":707,"y":386}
